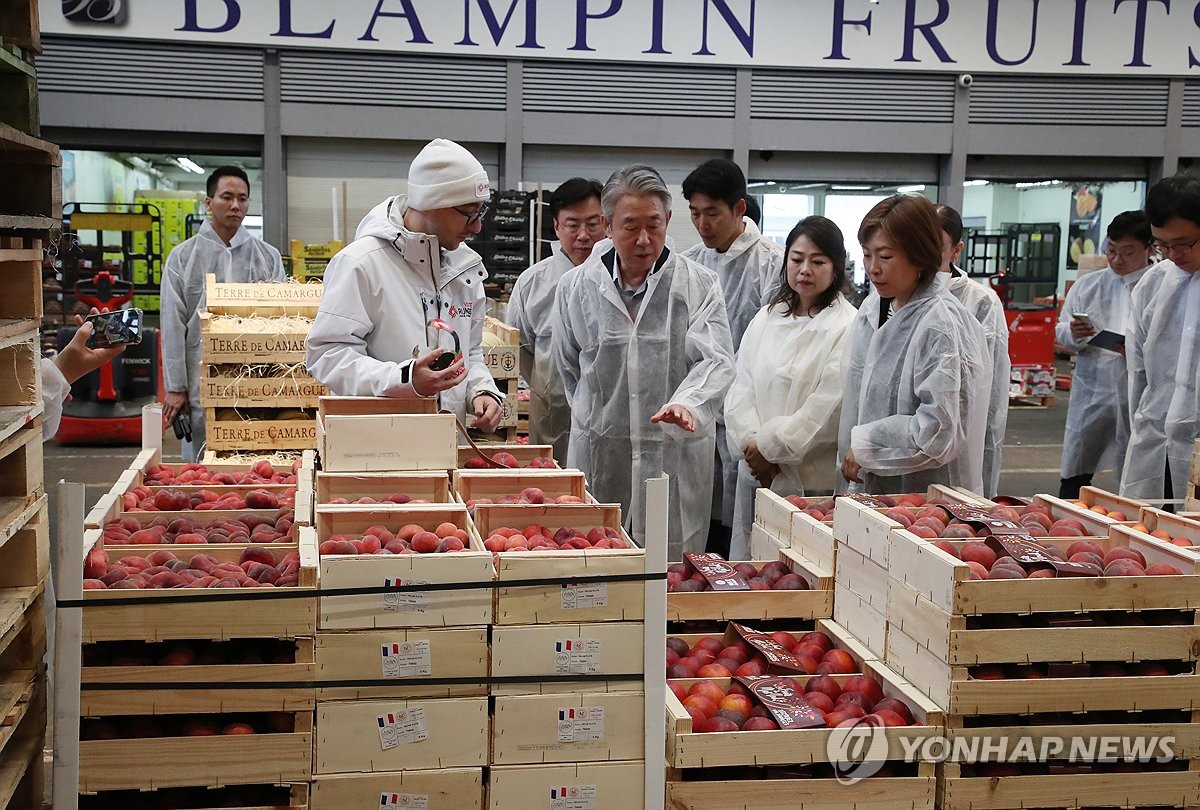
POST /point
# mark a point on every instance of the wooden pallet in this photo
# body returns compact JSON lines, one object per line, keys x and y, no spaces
{"x":1143,"y":788}
{"x":1032,"y":403}
{"x":22,"y":740}
{"x":21,"y":269}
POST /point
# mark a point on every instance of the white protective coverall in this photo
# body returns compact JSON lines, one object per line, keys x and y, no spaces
{"x":787,"y":396}
{"x":531,"y":310}
{"x":380,"y":292}
{"x":983,"y":303}
{"x":618,"y":372}
{"x":1097,"y":430}
{"x":915,"y":391}
{"x":750,"y":273}
{"x":245,"y":259}
{"x":1162,"y":348}
{"x":55,"y":390}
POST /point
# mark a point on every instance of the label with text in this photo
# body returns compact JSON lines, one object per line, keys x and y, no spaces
{"x":406,"y":659}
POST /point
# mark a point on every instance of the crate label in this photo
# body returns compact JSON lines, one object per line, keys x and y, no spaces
{"x":402,"y":727}
{"x":720,"y":575}
{"x":573,"y":797}
{"x":581,"y":597}
{"x":577,"y":656}
{"x":407,"y":602}
{"x":781,"y":697}
{"x":407,"y":659}
{"x":410,"y":801}
{"x":1008,"y":538}
{"x":577,"y":724}
{"x":779,"y":660}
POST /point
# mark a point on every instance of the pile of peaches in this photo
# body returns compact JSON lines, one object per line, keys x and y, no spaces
{"x":529,"y":495}
{"x":258,"y":567}
{"x":1118,"y":561}
{"x":446,"y":538}
{"x":509,"y":460}
{"x":161,"y":530}
{"x":822,"y":509}
{"x":540,"y":538}
{"x":710,"y":657}
{"x":261,"y":472}
{"x":394,"y":498}
{"x":144,"y":499}
{"x":773,"y":576}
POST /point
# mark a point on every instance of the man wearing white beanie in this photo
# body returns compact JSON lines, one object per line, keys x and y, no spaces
{"x":406,"y":296}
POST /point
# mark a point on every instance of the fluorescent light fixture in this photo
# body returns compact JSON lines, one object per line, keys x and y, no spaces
{"x":909,"y":189}
{"x":760,"y":184}
{"x":976,"y":183}
{"x":190,"y":165}
{"x":1039,"y":184}
{"x":851,"y":188}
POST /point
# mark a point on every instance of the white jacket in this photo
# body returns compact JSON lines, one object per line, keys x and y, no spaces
{"x":983,"y":303}
{"x":380,"y":292}
{"x":1097,"y":431}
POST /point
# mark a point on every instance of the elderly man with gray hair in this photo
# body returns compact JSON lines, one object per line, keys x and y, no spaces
{"x":642,"y":341}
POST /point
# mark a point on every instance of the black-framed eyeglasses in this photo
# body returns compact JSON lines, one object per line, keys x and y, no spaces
{"x":475,"y":216}
{"x":1176,"y":247}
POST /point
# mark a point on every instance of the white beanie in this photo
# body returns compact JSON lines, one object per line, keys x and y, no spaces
{"x":445,"y":175}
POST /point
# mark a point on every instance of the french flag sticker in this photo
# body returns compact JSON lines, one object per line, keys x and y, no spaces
{"x":387,"y":583}
{"x":568,"y":714}
{"x":382,"y":721}
{"x":560,"y":646}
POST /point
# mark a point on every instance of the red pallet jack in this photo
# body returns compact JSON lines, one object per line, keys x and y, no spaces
{"x":105,"y":406}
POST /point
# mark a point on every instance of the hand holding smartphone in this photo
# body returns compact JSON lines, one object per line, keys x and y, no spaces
{"x":122,"y":327}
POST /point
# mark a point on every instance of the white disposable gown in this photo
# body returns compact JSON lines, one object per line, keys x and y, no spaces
{"x":750,"y":273}
{"x":983,"y":303}
{"x":1097,"y":430}
{"x":380,"y":292}
{"x":618,"y":372}
{"x":787,"y":396}
{"x":245,"y":259}
{"x":915,"y":395}
{"x":531,"y":310}
{"x":1162,"y":346}
{"x":55,"y":390}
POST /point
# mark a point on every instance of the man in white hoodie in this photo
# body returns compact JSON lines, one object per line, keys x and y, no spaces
{"x":391,"y":293}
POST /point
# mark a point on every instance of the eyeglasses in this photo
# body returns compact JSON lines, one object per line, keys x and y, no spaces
{"x":574,"y":226}
{"x":474,"y":216}
{"x":1124,"y":254}
{"x":1177,"y":247}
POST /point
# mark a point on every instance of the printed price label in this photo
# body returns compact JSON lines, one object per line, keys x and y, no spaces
{"x":402,"y":727}
{"x":581,"y":597}
{"x":407,"y":659}
{"x":577,"y":724}
{"x":407,"y":602}
{"x":410,"y":801}
{"x":573,"y":797}
{"x":577,"y":656}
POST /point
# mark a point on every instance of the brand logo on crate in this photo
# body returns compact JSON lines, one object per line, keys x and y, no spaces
{"x":860,"y":751}
{"x":104,"y":12}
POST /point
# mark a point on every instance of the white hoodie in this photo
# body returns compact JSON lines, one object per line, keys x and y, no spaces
{"x":380,"y":292}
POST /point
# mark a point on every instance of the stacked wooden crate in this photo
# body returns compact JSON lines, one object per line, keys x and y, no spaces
{"x":567,"y":657}
{"x":184,"y":695}
{"x":501,"y":352}
{"x":256,"y":392}
{"x":402,"y":710}
{"x":30,"y":207}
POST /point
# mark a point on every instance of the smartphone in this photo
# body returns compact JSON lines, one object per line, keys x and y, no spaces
{"x":1082,"y":317}
{"x":443,"y":361}
{"x":117,"y":328}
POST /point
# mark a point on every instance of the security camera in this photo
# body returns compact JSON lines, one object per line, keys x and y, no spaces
{"x":965,"y":80}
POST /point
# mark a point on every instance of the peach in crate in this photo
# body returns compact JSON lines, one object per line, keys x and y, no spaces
{"x":506,"y":487}
{"x":744,"y":651}
{"x":509,"y":456}
{"x":790,"y":586}
{"x":382,"y":488}
{"x":199,"y":528}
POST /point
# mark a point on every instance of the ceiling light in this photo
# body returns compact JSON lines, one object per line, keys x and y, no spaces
{"x":976,"y":183}
{"x":909,"y":189}
{"x":1038,"y":184}
{"x":190,"y":165}
{"x":851,"y":188}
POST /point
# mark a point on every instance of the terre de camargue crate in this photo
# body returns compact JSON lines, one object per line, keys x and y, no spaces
{"x":263,"y":386}
{"x":262,"y":299}
{"x":229,"y":340}
{"x":503,"y":359}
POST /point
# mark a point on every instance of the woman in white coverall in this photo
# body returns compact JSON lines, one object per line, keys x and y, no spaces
{"x":643,"y":346}
{"x":1098,"y":414}
{"x":915,"y":373}
{"x":781,"y":413}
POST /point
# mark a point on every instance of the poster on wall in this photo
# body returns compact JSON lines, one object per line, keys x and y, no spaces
{"x":1084,"y":233}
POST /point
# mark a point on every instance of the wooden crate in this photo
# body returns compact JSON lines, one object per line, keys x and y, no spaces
{"x":815,"y":603}
{"x":22,"y":742}
{"x":508,"y":408}
{"x":933,"y":639}
{"x":566,"y":602}
{"x":32,"y":167}
{"x":349,"y":737}
{"x":582,"y":726}
{"x":21,"y":269}
{"x":435,"y":653}
{"x":185,"y":612}
{"x":1095,"y":523}
{"x":277,"y":387}
{"x":523,"y":453}
{"x":269,"y":797}
{"x":504,"y":361}
{"x":109,"y":507}
{"x":226,"y":340}
{"x":1139,"y":789}
{"x":1097,"y":499}
{"x":441,"y":789}
{"x":377,"y":434}
{"x":25,"y":553}
{"x":262,"y":300}
{"x":596,"y":786}
{"x":494,"y":484}
{"x":540,"y":652}
{"x":915,"y":792}
{"x":794,"y":528}
{"x":157,"y":762}
{"x":257,"y":434}
{"x":449,"y":608}
{"x":137,"y":690}
{"x":20,"y":25}
{"x":428,"y":486}
{"x":1184,"y":531}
